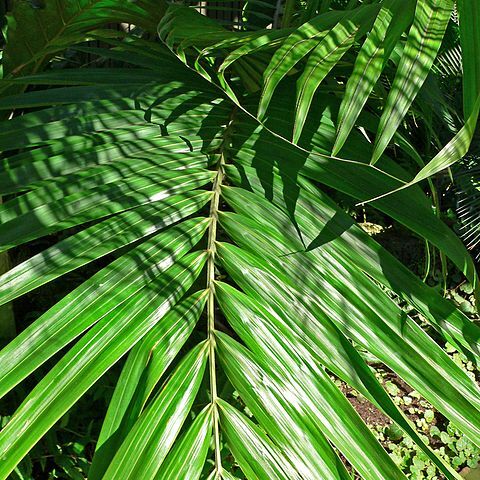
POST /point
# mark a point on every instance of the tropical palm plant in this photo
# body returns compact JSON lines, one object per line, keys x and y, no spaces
{"x":234,"y":265}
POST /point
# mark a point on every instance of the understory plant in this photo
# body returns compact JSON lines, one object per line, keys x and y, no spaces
{"x":197,"y":164}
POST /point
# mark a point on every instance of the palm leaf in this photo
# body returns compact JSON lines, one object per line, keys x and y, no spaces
{"x":467,"y":186}
{"x":424,"y":40}
{"x":35,"y":34}
{"x":469,"y":15}
{"x":146,"y":364}
{"x":214,"y":194}
{"x":392,"y":20}
{"x":297,"y":45}
{"x":154,"y":433}
{"x":324,"y":57}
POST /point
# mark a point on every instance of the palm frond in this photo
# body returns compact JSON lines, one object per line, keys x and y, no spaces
{"x":469,"y":15}
{"x":467,"y":179}
{"x":232,"y":263}
{"x":36,"y":34}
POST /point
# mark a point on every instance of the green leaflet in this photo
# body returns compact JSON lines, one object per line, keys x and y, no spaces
{"x":183,"y":27}
{"x":291,"y":429}
{"x":258,"y":458}
{"x":296,"y":46}
{"x":144,"y":367}
{"x":135,"y":52}
{"x":187,"y":457}
{"x":225,"y":476}
{"x":423,"y":43}
{"x":454,"y":151}
{"x":392,"y":20}
{"x":324,"y":57}
{"x":146,"y":446}
{"x":469,"y":17}
{"x":101,"y":347}
{"x":241,"y":39}
{"x":98,"y":298}
{"x":96,"y":76}
{"x":266,"y":39}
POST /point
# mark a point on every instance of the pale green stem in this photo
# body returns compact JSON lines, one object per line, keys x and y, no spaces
{"x":211,"y":246}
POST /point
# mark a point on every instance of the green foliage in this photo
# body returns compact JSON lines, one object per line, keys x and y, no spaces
{"x":468,"y":207}
{"x":37,"y":31}
{"x":447,"y":441}
{"x":222,"y":262}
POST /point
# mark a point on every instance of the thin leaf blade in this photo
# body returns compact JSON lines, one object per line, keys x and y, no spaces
{"x":423,"y":43}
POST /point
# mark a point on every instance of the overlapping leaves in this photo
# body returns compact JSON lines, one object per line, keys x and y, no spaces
{"x":316,"y":48}
{"x":38,"y":30}
{"x":219,"y":224}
